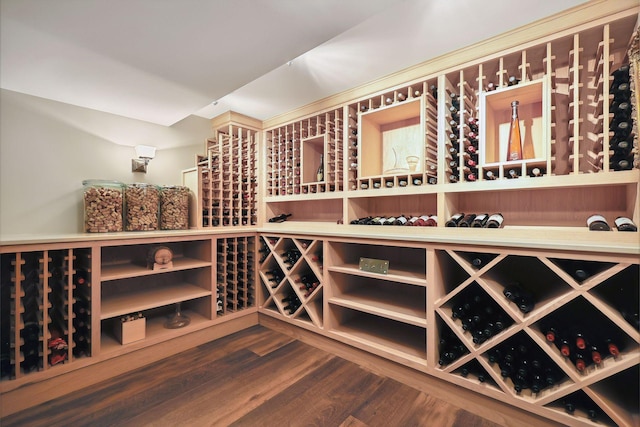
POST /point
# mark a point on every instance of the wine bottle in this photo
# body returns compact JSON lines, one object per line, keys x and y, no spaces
{"x":624,"y":223}
{"x":621,"y":74}
{"x":513,"y":80}
{"x":280,"y":218}
{"x":621,"y":128}
{"x":621,"y":92}
{"x":512,"y":174}
{"x":466,"y":220}
{"x":515,"y":140}
{"x":320,"y":172}
{"x":598,"y":223}
{"x":412,"y":221}
{"x":454,"y":220}
{"x":480,"y":220}
{"x":417,"y":181}
{"x":495,"y":221}
{"x":401,"y":220}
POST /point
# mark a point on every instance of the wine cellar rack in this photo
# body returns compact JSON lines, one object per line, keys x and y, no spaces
{"x":227,"y":177}
{"x":412,"y":314}
{"x":292,"y":286}
{"x":45,"y":304}
{"x":573,"y":297}
{"x":294,"y":153}
{"x":458,"y":120}
{"x":235,"y":274}
{"x":544,"y":270}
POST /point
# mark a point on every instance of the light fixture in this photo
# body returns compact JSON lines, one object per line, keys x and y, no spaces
{"x":144,"y":153}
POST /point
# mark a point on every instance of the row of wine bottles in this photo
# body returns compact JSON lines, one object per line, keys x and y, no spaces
{"x":418,"y":221}
{"x":475,"y":220}
{"x":402,"y":182}
{"x":582,"y":345}
{"x":621,"y":124}
{"x":598,"y":222}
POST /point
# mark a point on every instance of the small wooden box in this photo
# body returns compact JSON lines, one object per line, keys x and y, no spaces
{"x":130,"y":331}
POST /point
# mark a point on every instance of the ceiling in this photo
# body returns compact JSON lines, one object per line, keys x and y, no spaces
{"x":161,"y":61}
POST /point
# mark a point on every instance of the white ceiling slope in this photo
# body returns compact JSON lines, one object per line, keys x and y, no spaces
{"x":163,"y":60}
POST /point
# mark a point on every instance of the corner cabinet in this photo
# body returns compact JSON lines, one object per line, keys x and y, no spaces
{"x":449,"y":310}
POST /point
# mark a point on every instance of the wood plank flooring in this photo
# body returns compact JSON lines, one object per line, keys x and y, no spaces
{"x":256,"y":377}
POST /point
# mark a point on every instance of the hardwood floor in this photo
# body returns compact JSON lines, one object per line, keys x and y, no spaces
{"x":256,"y":377}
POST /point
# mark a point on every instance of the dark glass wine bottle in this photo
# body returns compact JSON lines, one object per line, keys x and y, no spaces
{"x":454,"y":220}
{"x":279,"y":218}
{"x":597,"y":222}
{"x":495,"y":221}
{"x":624,"y":223}
{"x":466,"y":220}
{"x":480,"y":220}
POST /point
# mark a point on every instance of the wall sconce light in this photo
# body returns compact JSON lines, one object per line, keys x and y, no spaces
{"x":144,"y":153}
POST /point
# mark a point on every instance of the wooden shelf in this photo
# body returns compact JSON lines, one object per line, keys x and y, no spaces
{"x":146,"y":298}
{"x":155,"y":331}
{"x":395,"y":275}
{"x":127,"y":270}
{"x":398,"y":340}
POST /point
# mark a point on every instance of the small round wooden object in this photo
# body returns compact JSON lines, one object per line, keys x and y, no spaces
{"x":160,"y":257}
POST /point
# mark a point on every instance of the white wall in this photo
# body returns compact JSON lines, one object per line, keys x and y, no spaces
{"x":48,"y":148}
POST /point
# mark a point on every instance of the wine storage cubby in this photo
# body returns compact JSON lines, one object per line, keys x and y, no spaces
{"x":306,"y":156}
{"x":565,"y":331}
{"x":227,"y":185}
{"x":380,"y":335}
{"x":393,"y":138}
{"x":45,"y":302}
{"x":392,"y":206}
{"x":158,"y":281}
{"x":291,"y":276}
{"x":235,"y":274}
{"x":384,"y":312}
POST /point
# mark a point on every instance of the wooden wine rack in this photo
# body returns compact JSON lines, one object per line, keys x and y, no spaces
{"x":562,"y":84}
{"x":40,"y":303}
{"x":294,"y":153}
{"x":80,"y":292}
{"x":287,"y":278}
{"x":227,"y":184}
{"x":404,"y":314}
{"x":564,"y":81}
{"x":235,"y":274}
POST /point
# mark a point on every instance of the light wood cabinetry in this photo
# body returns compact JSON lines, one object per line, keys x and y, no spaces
{"x":407,"y":315}
{"x":80,"y":291}
{"x":409,"y":148}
